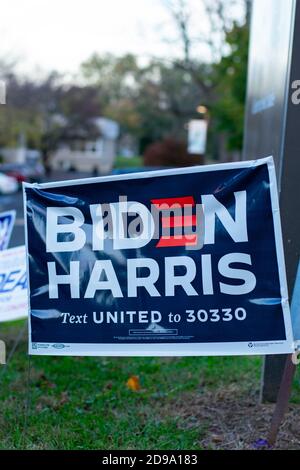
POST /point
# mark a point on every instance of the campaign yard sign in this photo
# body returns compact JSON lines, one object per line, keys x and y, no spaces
{"x":7,"y":220}
{"x":13,"y":284}
{"x":163,"y":263}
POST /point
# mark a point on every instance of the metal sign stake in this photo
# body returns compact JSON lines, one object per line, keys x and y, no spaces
{"x":282,"y":400}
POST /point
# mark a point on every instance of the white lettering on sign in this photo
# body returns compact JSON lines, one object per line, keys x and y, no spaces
{"x":76,"y":236}
{"x":236,"y":228}
{"x":68,"y":221}
{"x":65,"y":233}
{"x":104,"y":277}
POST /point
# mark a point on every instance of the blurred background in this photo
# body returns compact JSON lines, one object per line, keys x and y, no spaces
{"x":96,"y":87}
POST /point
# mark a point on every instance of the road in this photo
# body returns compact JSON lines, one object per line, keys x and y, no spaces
{"x":15,"y":201}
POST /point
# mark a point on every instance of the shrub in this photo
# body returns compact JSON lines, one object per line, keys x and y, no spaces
{"x":170,"y":153}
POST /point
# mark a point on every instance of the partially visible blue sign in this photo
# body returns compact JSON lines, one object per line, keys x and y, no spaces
{"x":7,"y":220}
{"x":173,"y":262}
{"x":295,"y":307}
{"x":13,"y":284}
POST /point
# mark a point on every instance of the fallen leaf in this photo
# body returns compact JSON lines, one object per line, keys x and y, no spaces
{"x":63,"y":398}
{"x":133,"y":383}
{"x":216,"y":438}
{"x":108,"y":386}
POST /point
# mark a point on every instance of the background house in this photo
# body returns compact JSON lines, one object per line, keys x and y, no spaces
{"x":90,"y":151}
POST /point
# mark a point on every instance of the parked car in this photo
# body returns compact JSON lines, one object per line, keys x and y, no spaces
{"x":8,"y":185}
{"x":30,"y":172}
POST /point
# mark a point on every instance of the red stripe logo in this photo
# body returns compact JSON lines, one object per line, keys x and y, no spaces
{"x":169,"y":207}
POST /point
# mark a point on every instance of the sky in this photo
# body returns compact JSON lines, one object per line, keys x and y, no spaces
{"x":45,"y":35}
{"x":61,"y":34}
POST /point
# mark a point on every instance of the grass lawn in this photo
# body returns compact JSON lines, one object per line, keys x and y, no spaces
{"x":123,"y":162}
{"x":84,"y":403}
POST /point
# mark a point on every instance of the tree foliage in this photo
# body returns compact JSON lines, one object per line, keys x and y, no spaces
{"x":231,"y":79}
{"x":151,"y":101}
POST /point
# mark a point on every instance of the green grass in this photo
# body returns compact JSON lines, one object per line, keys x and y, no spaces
{"x":123,"y":162}
{"x":84,"y":403}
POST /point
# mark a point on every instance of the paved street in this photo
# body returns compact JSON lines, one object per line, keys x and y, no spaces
{"x":15,"y":201}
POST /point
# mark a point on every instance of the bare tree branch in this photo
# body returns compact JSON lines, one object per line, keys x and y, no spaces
{"x":219,"y":21}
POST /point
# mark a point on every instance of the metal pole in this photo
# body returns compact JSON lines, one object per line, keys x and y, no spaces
{"x":282,"y":399}
{"x":272,"y":128}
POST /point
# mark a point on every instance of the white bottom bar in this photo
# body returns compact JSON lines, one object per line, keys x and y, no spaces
{"x":179,"y":349}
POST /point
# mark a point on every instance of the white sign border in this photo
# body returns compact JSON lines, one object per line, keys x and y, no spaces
{"x":175,"y":349}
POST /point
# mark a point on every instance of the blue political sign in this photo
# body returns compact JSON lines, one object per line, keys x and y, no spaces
{"x":171,"y":262}
{"x":7,"y":220}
